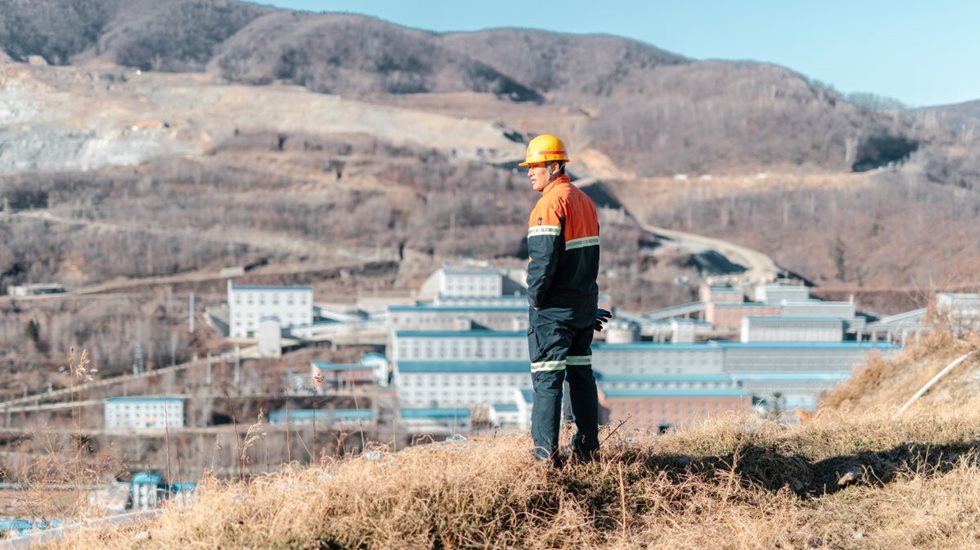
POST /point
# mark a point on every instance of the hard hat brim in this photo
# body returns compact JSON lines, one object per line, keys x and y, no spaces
{"x":527,"y":163}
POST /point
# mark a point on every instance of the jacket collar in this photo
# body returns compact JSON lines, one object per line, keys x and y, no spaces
{"x":562,"y":179}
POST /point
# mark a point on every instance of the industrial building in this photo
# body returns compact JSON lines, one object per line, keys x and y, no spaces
{"x":142,"y":412}
{"x":459,"y":383}
{"x":792,"y":329}
{"x":469,"y":355}
{"x":962,"y":310}
{"x":463,"y":345}
{"x":248,"y":305}
{"x":459,"y":317}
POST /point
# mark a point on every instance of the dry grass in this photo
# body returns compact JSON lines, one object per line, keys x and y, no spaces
{"x":841,"y":481}
{"x":886,"y":384}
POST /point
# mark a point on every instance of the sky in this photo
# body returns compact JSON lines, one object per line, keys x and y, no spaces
{"x":921,"y":53}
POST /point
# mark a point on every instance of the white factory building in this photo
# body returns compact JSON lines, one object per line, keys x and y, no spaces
{"x":249,"y":305}
{"x":459,"y":383}
{"x":464,"y":345}
{"x":962,"y":309}
{"x":467,"y":348}
{"x":459,"y":317}
{"x":144,"y":412}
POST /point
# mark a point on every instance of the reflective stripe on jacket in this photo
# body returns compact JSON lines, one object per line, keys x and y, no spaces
{"x":563,"y":249}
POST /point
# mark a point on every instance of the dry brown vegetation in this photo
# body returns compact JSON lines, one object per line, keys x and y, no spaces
{"x":838,"y":482}
{"x":891,"y":231}
{"x":887,"y":383}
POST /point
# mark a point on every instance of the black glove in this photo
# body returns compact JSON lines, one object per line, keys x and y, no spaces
{"x":602,"y":316}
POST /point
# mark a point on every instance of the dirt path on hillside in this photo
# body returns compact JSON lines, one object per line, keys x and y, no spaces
{"x":759,"y":266}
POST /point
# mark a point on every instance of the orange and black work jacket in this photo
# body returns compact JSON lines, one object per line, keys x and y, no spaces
{"x":563,"y":247}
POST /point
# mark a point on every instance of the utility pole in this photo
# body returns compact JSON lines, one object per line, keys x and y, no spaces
{"x":238,"y":366}
{"x":207,"y":376}
{"x":138,"y":357}
{"x":190,"y":315}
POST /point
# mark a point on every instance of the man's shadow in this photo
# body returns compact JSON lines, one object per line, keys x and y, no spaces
{"x":773,"y":469}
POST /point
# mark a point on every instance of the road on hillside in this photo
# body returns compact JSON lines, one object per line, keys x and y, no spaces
{"x":759,"y":267}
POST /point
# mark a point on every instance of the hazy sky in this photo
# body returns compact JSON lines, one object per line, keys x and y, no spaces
{"x":921,"y":53}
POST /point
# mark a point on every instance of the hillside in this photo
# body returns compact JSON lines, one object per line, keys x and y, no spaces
{"x":656,"y":112}
{"x":885,"y":385}
{"x":850,"y":481}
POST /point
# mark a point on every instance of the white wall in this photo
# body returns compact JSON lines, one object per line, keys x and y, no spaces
{"x":461,"y":347}
{"x":148,"y":413}
{"x":247,"y":305}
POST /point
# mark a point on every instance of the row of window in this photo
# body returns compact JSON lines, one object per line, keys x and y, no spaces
{"x":274,"y":298}
{"x":667,"y":385}
{"x":464,"y":380}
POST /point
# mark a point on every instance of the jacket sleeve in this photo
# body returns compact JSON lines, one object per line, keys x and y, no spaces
{"x":545,"y":241}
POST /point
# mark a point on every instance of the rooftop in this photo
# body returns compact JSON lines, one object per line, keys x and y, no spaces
{"x":832,"y":376}
{"x":680,"y":392}
{"x":809,"y":345}
{"x":627,"y":378}
{"x":459,"y":334}
{"x":770,"y":319}
{"x":144,"y":399}
{"x":527,"y":394}
{"x":463,"y":367}
{"x":434,"y":413}
{"x":272,"y":288}
{"x":300,"y":415}
{"x":457,"y":309}
{"x":717,"y":345}
{"x":654,"y":346}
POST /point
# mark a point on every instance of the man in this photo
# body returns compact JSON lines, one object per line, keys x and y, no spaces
{"x":563,"y":250}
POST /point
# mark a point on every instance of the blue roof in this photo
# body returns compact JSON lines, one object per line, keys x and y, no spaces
{"x":463,"y":367}
{"x":374,"y":355}
{"x":434,"y":413}
{"x":625,"y":378}
{"x":273,"y":288}
{"x":808,"y":319}
{"x":453,"y":309}
{"x":148,"y":478}
{"x":724,"y":344}
{"x":653,"y":346}
{"x":505,"y":407}
{"x":300,"y":415}
{"x":144,"y":399}
{"x":809,"y":345}
{"x":790,"y":376}
{"x":680,"y":392}
{"x":729,"y":289}
{"x":528,"y":395}
{"x":747,"y":304}
{"x":327,"y":365}
{"x":460,"y":334}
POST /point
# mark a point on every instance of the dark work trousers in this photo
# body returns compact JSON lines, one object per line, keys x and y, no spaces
{"x":559,"y":342}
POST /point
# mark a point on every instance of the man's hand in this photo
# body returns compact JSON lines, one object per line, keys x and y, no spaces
{"x":602,"y":317}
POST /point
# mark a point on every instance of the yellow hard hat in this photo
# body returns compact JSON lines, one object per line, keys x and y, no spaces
{"x":545,"y":148}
